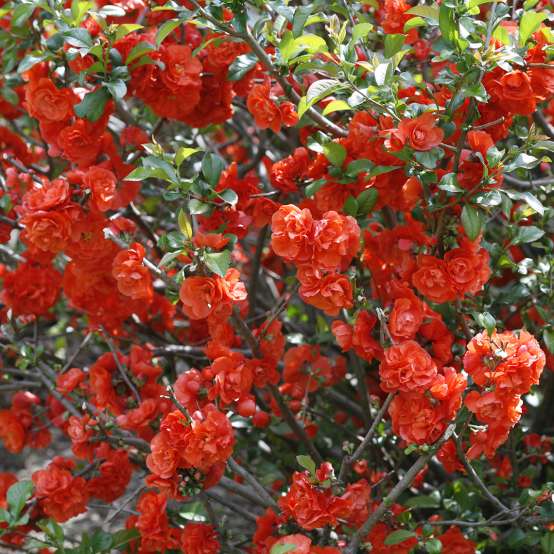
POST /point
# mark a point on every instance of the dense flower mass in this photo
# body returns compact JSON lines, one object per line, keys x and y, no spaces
{"x":276,"y":277}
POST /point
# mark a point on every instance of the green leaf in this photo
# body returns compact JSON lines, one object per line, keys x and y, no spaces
{"x":360,"y":31}
{"x":30,"y":60}
{"x":212,"y":167}
{"x":335,"y":153}
{"x":78,"y":37}
{"x":21,"y":14}
{"x":10,"y":96}
{"x":183,"y":153}
{"x":548,"y":337}
{"x":472,"y":221}
{"x":356,"y":167}
{"x":300,"y":18}
{"x":413,"y":23}
{"x":139,"y":50}
{"x":399,"y":536}
{"x":312,"y":188}
{"x":336,"y":106}
{"x":230,"y":196}
{"x":306,"y":462}
{"x":184,"y":224}
{"x":366,"y":201}
{"x":218,"y":262}
{"x":291,"y":47}
{"x":118,"y":89}
{"x":125,"y":29}
{"x":101,"y":541}
{"x":530,"y":199}
{"x":282,"y":548}
{"x":142,"y":173}
{"x":166,"y":29}
{"x":448,"y":24}
{"x":241,"y":66}
{"x":17,"y":495}
{"x":197,"y":207}
{"x":393,"y":44}
{"x":350,"y":206}
{"x":122,"y":537}
{"x":527,"y":234}
{"x":430,"y":12}
{"x":422,"y":502}
{"x":322,"y":88}
{"x":530,"y":22}
{"x":449,"y":183}
{"x":487,"y":321}
{"x":92,"y":105}
{"x":383,"y":73}
{"x":433,"y":546}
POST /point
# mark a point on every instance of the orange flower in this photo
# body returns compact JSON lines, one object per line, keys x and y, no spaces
{"x":47,"y":103}
{"x":133,"y":278}
{"x":406,"y":317}
{"x":102,"y":183}
{"x":292,"y":233}
{"x":330,"y":293}
{"x":265,"y":112}
{"x":336,"y":240}
{"x":199,"y":538}
{"x":48,"y":231}
{"x":431,"y":279}
{"x":407,"y":367}
{"x":516,"y":93}
{"x":420,"y":133}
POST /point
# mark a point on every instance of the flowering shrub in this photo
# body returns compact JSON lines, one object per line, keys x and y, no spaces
{"x":276,"y":277}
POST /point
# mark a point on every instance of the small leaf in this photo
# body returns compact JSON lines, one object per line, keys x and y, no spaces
{"x":300,"y":18}
{"x":360,"y":31}
{"x":139,"y":50}
{"x":399,"y":536}
{"x":413,"y":23}
{"x":21,"y":14}
{"x":282,"y":548}
{"x":218,"y":262}
{"x":530,"y":22}
{"x":335,"y":153}
{"x":422,"y":502}
{"x":548,"y":337}
{"x":306,"y":462}
{"x":393,"y":44}
{"x":92,"y":105}
{"x":166,"y":29}
{"x":350,"y":206}
{"x":125,"y":29}
{"x":17,"y":495}
{"x":312,"y":188}
{"x":336,"y":106}
{"x":230,"y":196}
{"x":197,"y":207}
{"x":122,"y":537}
{"x":183,"y":153}
{"x":184,"y":224}
{"x":367,"y":200}
{"x":527,"y":234}
{"x":322,"y":88}
{"x":433,"y":546}
{"x":212,"y":167}
{"x":241,"y":66}
{"x":472,"y":221}
{"x":431,"y":12}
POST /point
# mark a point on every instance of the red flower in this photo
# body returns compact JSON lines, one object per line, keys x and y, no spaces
{"x":454,"y":542}
{"x":12,"y":432}
{"x":199,"y":538}
{"x":209,"y":440}
{"x":31,"y":289}
{"x":407,"y":367}
{"x":102,"y":184}
{"x":420,"y":133}
{"x":516,"y":94}
{"x":330,"y":293}
{"x":432,"y":280}
{"x":311,"y":507}
{"x":292,"y":233}
{"x":60,"y":495}
{"x":336,"y":241}
{"x":265,"y":111}
{"x":133,"y":278}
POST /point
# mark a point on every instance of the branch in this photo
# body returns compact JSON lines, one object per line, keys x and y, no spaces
{"x":349,"y":460}
{"x":393,"y":495}
{"x":476,"y":479}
